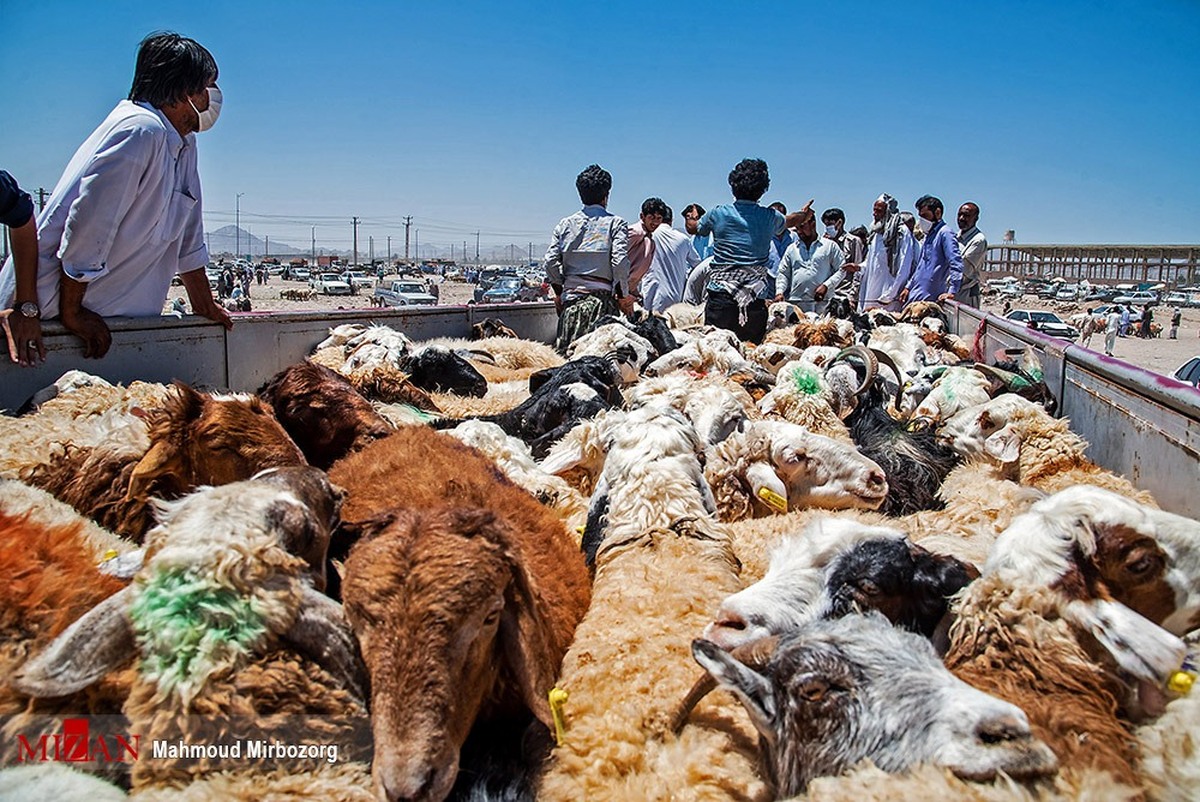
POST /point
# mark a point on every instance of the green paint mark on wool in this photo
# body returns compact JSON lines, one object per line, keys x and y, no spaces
{"x":188,"y":625}
{"x":807,"y":381}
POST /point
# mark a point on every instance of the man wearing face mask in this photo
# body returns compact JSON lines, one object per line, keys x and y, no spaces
{"x":852,"y":249}
{"x":939,"y":271}
{"x":125,"y":217}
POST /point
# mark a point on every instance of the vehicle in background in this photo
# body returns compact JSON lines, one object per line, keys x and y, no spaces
{"x":1176,"y":299}
{"x":329,"y":284}
{"x":1067,"y":293}
{"x":1189,"y":372}
{"x":508,"y":290}
{"x":1138,"y":298}
{"x":404,"y":293}
{"x":1102,"y":294}
{"x":357,"y":280}
{"x":489,"y":276}
{"x":1135,"y":315}
{"x":1044,"y":322}
{"x":299,"y":274}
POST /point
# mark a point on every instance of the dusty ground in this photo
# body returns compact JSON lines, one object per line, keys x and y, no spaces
{"x":1160,"y":355}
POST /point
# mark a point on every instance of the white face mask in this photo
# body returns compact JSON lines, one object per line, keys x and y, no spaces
{"x":924,"y":225}
{"x":208,"y":117}
{"x":831,"y":231}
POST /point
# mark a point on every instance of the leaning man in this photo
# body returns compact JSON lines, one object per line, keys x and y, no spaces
{"x":125,"y":217}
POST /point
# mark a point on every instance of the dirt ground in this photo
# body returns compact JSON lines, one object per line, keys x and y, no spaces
{"x":1160,"y":355}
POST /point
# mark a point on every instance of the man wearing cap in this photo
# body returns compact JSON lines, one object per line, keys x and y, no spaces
{"x":891,"y":252}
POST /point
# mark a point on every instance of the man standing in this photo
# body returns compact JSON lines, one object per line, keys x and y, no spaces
{"x":807,"y":268}
{"x":742,"y":235}
{"x":674,"y":258}
{"x":1176,"y":316}
{"x":973,"y":245}
{"x":891,"y":253}
{"x":1112,"y":326}
{"x":587,"y":263}
{"x":125,"y":217}
{"x":853,"y":249}
{"x":939,"y":270}
{"x":641,"y":244}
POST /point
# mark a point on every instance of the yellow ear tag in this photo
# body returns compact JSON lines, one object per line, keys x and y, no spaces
{"x":773,"y":499}
{"x":558,"y":698}
{"x":109,"y":555}
{"x":1181,"y":682}
{"x":580,"y":529}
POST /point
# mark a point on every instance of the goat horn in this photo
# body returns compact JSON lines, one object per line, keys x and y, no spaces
{"x":869,"y":361}
{"x":887,"y":360}
{"x":755,"y":654}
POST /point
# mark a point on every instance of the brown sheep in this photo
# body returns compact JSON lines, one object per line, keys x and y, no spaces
{"x":491,"y":327}
{"x":323,"y":413}
{"x":195,"y":439}
{"x":488,"y":576}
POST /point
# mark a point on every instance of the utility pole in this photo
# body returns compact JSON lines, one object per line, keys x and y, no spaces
{"x":207,"y":242}
{"x":407,"y":224}
{"x":42,"y":193}
{"x":417,"y":243}
{"x":354,"y":222}
{"x":267,"y":246}
{"x":476,"y":247}
{"x":389,"y":248}
{"x":531,"y":253}
{"x":237,"y":225}
{"x":465,"y":260}
{"x":314,"y":245}
{"x":371,"y":250}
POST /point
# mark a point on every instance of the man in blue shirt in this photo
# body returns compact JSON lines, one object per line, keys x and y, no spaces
{"x":939,"y":270}
{"x":691,"y":217}
{"x":743,"y":232}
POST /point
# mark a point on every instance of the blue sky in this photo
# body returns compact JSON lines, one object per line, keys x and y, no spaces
{"x":1071,"y":122}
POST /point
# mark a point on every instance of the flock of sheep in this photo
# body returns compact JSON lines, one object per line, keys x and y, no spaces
{"x":849,"y":563}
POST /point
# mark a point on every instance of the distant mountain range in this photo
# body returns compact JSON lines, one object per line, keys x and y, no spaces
{"x":225,"y":240}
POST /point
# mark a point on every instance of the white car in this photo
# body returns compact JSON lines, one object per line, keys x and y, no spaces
{"x":330,"y":284}
{"x":358,"y":280}
{"x":1139,"y":298}
{"x":1189,"y":372}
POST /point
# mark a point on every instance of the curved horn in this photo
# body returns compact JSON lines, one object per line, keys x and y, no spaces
{"x":869,"y":360}
{"x":886,"y":359}
{"x":755,"y":654}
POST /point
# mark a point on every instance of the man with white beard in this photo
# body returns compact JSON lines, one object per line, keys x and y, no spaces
{"x":891,"y":254}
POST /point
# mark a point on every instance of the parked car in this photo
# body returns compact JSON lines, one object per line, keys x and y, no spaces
{"x":330,"y":284}
{"x":1176,"y":299}
{"x":1189,"y":372}
{"x":1102,"y":294}
{"x":1045,"y":322}
{"x":1135,"y":315}
{"x":404,"y":293}
{"x":1067,"y":294}
{"x":299,"y":274}
{"x":507,"y":290}
{"x":357,"y":280}
{"x":1138,"y":298}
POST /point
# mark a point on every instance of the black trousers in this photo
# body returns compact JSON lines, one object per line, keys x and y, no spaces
{"x":721,"y":310}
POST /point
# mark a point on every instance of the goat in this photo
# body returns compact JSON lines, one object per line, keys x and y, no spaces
{"x":491,"y":327}
{"x":836,"y":692}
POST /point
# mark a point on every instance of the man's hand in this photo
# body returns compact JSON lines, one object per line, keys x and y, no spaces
{"x":946,"y":296}
{"x":819,"y":292}
{"x":24,"y":335}
{"x":626,"y":304}
{"x":91,"y":328}
{"x":195,"y":282}
{"x":778,"y":297}
{"x":213,"y":311}
{"x":903,"y":296}
{"x":851,"y":267}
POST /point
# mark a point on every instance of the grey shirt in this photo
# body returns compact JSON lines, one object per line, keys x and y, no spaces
{"x":589,"y":252}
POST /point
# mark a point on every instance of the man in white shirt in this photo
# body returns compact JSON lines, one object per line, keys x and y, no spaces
{"x":807,"y":270}
{"x":891,"y":255}
{"x":125,"y":217}
{"x":674,"y":258}
{"x":973,"y":245}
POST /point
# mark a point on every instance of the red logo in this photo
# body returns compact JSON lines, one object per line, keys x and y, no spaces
{"x":76,"y":744}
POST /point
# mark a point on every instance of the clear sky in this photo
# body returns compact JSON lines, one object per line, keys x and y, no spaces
{"x":1068,"y":121}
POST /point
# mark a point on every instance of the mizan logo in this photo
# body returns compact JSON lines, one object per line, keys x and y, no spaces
{"x":76,"y":744}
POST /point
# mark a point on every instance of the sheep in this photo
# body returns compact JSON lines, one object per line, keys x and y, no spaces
{"x":193,"y":439}
{"x":804,"y":395}
{"x":716,"y":352}
{"x":1031,"y":447}
{"x":953,"y":391}
{"x":649,"y":326}
{"x":491,"y":327}
{"x":773,"y":356}
{"x":715,"y":407}
{"x":822,"y":331}
{"x":55,"y":781}
{"x":835,"y":565}
{"x":1025,"y":631}
{"x":653,"y":591}
{"x":491,"y":580}
{"x":230,"y":633}
{"x":514,"y":458}
{"x":618,"y":342}
{"x":836,"y":692}
{"x":19,"y":499}
{"x":684,"y":316}
{"x":773,"y":466}
{"x":325,"y":416}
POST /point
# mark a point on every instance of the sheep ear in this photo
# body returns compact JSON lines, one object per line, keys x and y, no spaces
{"x":529,"y":646}
{"x":563,"y":459}
{"x":593,"y":530}
{"x":767,"y":487}
{"x":751,"y":688}
{"x":1003,"y":445}
{"x":100,"y":641}
{"x":156,"y":463}
{"x":321,"y":632}
{"x":1140,"y":647}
